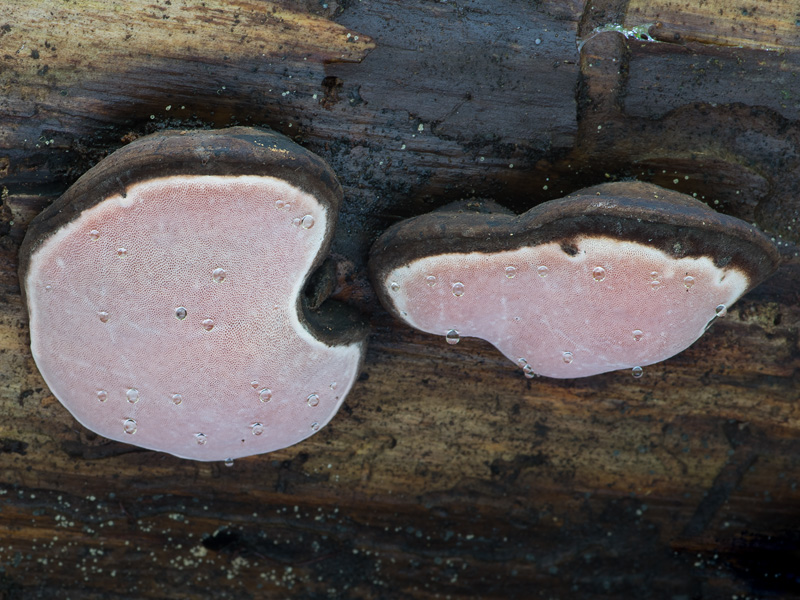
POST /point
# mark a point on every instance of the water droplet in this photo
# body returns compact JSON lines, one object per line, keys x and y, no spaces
{"x":94,"y":235}
{"x":177,"y":399}
{"x":102,"y":395}
{"x":458,"y":289}
{"x":228,"y":462}
{"x":688,"y":281}
{"x":315,"y":426}
{"x":48,"y":287}
{"x":307,"y":222}
{"x":254,"y":384}
{"x":598,"y":273}
{"x":511,"y":271}
{"x":527,"y":370}
{"x":200,"y":438}
{"x":522,"y":361}
{"x":208,"y":324}
{"x":218,"y":275}
{"x":296,"y":221}
{"x":257,"y":428}
{"x":265,"y":395}
{"x":637,"y":334}
{"x":721,"y":310}
{"x":122,"y":252}
{"x":394,"y":286}
{"x":568,"y":357}
{"x":313,"y":400}
{"x":129,"y":426}
{"x":431,"y":280}
{"x":133,"y":395}
{"x":103,"y":316}
{"x":543,"y":271}
{"x":180,"y":313}
{"x":655,"y":280}
{"x":452,"y":337}
{"x":333,"y":385}
{"x":279,"y":203}
{"x":637,"y":372}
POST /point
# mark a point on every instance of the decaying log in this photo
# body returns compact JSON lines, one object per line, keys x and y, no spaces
{"x":447,"y":474}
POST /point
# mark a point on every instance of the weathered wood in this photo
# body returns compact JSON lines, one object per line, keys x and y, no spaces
{"x":447,"y":474}
{"x":771,"y":25}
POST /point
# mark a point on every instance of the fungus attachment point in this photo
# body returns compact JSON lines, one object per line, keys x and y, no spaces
{"x":207,"y":303}
{"x":598,"y":272}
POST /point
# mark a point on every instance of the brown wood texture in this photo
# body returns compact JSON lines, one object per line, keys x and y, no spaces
{"x":446,"y":474}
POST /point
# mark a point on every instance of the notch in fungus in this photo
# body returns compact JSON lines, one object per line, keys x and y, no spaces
{"x":165,"y":294}
{"x":616,"y":276}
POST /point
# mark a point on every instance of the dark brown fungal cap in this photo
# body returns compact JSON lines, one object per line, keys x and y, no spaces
{"x":232,"y":151}
{"x":674,"y":223}
{"x":165,"y":291}
{"x":616,"y":276}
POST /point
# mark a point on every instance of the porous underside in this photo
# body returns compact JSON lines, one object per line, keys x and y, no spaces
{"x":103,"y":293}
{"x":557,"y":314}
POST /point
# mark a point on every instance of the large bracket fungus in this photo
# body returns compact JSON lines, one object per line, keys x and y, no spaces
{"x":620,"y":275}
{"x":165,"y":293}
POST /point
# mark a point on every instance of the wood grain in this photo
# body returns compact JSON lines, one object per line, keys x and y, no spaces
{"x":773,"y":25}
{"x":447,"y":473}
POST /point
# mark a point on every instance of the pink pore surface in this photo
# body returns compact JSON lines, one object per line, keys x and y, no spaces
{"x":554,"y":312}
{"x":103,"y":320}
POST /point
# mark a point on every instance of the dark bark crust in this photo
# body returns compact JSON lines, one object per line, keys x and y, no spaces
{"x":444,"y":475}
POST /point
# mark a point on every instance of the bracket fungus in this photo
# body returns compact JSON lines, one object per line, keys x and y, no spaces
{"x":165,"y":294}
{"x":616,"y":276}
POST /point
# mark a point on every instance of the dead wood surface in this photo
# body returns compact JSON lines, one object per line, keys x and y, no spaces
{"x":446,"y":474}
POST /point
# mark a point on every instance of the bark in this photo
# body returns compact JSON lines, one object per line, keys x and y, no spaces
{"x":447,"y":473}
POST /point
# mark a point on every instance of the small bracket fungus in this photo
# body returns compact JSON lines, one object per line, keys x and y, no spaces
{"x":165,"y":293}
{"x":617,"y":276}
